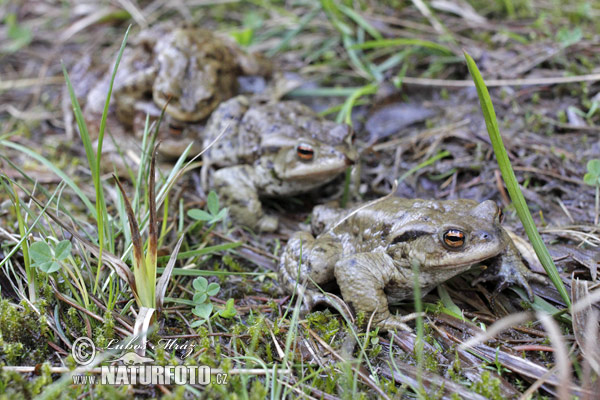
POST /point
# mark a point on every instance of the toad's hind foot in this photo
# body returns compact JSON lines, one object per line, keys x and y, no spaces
{"x":312,"y":298}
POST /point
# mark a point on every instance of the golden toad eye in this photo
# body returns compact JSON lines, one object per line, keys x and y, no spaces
{"x":305,"y":152}
{"x":454,"y":239}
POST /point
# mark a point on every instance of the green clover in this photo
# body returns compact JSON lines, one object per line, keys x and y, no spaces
{"x":48,"y":258}
{"x":592,"y":177}
{"x":213,"y":215}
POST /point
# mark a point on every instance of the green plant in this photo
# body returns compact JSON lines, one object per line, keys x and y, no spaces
{"x":229,"y":311}
{"x":48,"y":258}
{"x":511,"y":181}
{"x":148,"y":293}
{"x":20,"y":36}
{"x":213,"y":215}
{"x":203,"y":307}
{"x":592,"y":178}
{"x":94,"y":160}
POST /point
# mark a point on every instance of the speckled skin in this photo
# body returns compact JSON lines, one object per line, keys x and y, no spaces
{"x":188,"y":70}
{"x":369,"y":251}
{"x":256,"y":155}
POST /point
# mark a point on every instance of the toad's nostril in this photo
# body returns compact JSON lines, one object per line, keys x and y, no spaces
{"x":486,"y":236}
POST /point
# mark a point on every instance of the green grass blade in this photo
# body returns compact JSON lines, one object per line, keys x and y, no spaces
{"x":17,"y":246}
{"x":424,"y":164}
{"x":345,"y":114}
{"x":29,"y":269}
{"x":100,"y":203}
{"x":83,"y":131}
{"x":372,"y":44}
{"x":107,"y":102}
{"x":203,"y":251}
{"x":511,"y":181}
{"x":323,"y":92}
{"x":54,"y":169}
{"x":294,"y":32}
{"x":360,"y":21}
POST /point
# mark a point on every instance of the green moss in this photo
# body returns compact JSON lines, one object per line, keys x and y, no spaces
{"x":232,"y":264}
{"x":324,"y":324}
{"x":257,"y":330}
{"x":22,"y":334}
{"x":488,"y":387}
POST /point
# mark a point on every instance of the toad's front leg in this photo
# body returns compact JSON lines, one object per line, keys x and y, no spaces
{"x":307,"y":264}
{"x":237,"y":189}
{"x":508,"y":269}
{"x":362,"y":279}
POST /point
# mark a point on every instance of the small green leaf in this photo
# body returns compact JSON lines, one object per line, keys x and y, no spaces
{"x":40,"y":252}
{"x":203,"y":310}
{"x":197,"y":323}
{"x":200,"y":284}
{"x":212,"y":201}
{"x":243,"y":36}
{"x":49,"y":266}
{"x":221,"y":215}
{"x":229,"y":311}
{"x":568,"y":37}
{"x":199,"y":215}
{"x":63,"y":250}
{"x":593,"y":167}
{"x":590,"y":179}
{"x":213,"y":289}
{"x":199,"y":298}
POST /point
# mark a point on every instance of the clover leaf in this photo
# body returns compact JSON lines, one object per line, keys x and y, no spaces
{"x":46,"y":257}
{"x":203,"y":310}
{"x":592,"y":177}
{"x":213,"y":215}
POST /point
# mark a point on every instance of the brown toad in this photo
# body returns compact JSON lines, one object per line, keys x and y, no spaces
{"x":369,"y":252}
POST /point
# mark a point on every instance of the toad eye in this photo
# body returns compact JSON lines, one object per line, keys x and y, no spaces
{"x":305,"y":152}
{"x":454,"y":238}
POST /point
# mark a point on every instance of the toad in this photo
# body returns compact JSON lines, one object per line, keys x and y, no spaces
{"x":369,"y":252}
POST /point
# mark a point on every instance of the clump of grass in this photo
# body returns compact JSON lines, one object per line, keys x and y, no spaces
{"x":94,"y":160}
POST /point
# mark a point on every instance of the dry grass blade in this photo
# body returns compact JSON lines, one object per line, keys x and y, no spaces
{"x":499,"y":326}
{"x":561,"y":355}
{"x":591,"y":360}
{"x":142,"y":325}
{"x":406,"y":374}
{"x":74,"y":304}
{"x":585,"y":324}
{"x":163,"y":282}
{"x":558,"y":80}
{"x":521,"y":366}
{"x":136,"y":238}
{"x":583,"y":303}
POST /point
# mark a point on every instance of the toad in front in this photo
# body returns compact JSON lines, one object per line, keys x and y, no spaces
{"x":369,"y":252}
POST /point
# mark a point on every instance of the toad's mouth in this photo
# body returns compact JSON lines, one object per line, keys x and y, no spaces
{"x":302,"y":174}
{"x":492,"y":258}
